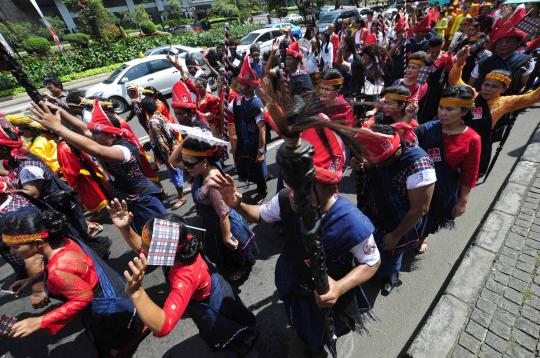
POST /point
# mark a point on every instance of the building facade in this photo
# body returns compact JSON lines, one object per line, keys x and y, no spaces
{"x":22,"y":10}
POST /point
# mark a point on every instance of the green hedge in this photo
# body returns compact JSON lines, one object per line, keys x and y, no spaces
{"x":66,"y":78}
{"x":36,"y":46}
{"x":101,"y":54}
{"x":78,"y":39}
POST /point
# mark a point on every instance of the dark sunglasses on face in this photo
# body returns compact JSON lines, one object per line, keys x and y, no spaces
{"x":190,"y":165}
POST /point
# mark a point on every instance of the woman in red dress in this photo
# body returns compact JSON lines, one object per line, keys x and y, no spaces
{"x":75,"y":275}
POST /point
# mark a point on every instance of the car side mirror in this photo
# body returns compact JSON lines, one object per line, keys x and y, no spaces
{"x":124,"y":80}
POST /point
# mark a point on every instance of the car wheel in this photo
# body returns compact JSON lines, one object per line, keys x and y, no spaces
{"x":119,"y":104}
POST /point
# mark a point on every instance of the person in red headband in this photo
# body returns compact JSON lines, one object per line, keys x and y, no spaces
{"x":37,"y":180}
{"x":505,"y":57}
{"x":74,"y":274}
{"x":294,"y":73}
{"x":397,"y":106}
{"x":224,"y":322}
{"x":185,"y":109}
{"x":346,"y":234}
{"x":455,"y":149}
{"x":247,"y":110}
{"x":118,"y":156}
{"x":329,"y":91}
{"x":399,"y":184}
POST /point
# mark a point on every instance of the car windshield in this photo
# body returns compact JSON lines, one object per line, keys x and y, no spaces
{"x":326,"y":18}
{"x":249,"y":38}
{"x":115,"y":74}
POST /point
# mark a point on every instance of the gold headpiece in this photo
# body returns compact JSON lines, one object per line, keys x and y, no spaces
{"x":17,"y":239}
{"x":499,"y":77}
{"x":457,"y":102}
{"x":334,"y":82}
{"x":396,"y":97}
{"x":417,"y":62}
{"x":196,"y":153}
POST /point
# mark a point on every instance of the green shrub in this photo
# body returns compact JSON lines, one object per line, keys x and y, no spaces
{"x":106,"y":53}
{"x":148,"y":27}
{"x":37,"y":46}
{"x":78,"y":40}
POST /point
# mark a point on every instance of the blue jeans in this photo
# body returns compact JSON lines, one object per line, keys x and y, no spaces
{"x":144,"y":208}
{"x":177,"y":177}
{"x":390,"y":259}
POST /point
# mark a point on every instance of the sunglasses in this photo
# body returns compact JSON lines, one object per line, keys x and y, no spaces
{"x":190,"y":165}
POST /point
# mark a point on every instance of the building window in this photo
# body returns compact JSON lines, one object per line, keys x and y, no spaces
{"x":114,"y":3}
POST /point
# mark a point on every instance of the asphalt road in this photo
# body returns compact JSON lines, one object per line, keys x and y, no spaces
{"x":398,"y":314}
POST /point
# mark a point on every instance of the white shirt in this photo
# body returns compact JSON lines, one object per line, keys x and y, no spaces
{"x":422,"y":178}
{"x":327,"y":57}
{"x":365,"y":252}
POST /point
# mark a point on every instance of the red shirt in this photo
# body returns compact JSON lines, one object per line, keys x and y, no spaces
{"x":188,"y":282}
{"x":341,"y":110}
{"x":71,"y":274}
{"x":462,"y":151}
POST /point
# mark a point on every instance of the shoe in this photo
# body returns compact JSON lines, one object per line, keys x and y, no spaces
{"x":388,"y":287}
{"x":180,"y":202}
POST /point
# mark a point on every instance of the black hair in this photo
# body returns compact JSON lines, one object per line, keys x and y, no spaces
{"x":203,"y":80}
{"x":254,"y":48}
{"x":435,"y":41}
{"x":54,"y":81}
{"x":158,"y":95}
{"x":75,"y":96}
{"x":461,"y":92}
{"x":192,"y":246}
{"x":33,"y":222}
{"x":190,"y":60}
{"x":332,"y":74}
{"x":149,"y":105}
{"x":383,"y":128}
{"x":200,"y":146}
{"x":284,"y":42}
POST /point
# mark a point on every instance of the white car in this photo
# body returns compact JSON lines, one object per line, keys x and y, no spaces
{"x":173,"y":50}
{"x":294,"y":18}
{"x":155,"y":71}
{"x":262,"y":37}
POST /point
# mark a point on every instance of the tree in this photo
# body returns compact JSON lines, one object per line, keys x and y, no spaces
{"x":174,"y":11}
{"x":94,"y":18}
{"x":141,"y":14}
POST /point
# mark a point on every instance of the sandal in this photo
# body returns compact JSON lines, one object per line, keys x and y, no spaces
{"x":180,"y":202}
{"x":94,"y":229}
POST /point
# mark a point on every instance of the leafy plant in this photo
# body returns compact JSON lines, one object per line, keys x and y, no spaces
{"x":148,"y":27}
{"x":94,"y":18}
{"x":79,"y":40}
{"x":37,"y":46}
{"x":174,"y":12}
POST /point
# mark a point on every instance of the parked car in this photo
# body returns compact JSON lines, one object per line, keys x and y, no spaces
{"x":336,"y":17}
{"x":155,"y":71}
{"x":173,"y":50}
{"x":180,"y":29}
{"x":295,"y":29}
{"x":294,"y":18}
{"x":262,"y":37}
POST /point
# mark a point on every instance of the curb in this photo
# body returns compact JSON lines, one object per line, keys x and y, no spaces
{"x":441,"y":330}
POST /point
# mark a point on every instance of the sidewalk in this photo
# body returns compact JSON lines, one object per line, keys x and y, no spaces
{"x":491,"y":306}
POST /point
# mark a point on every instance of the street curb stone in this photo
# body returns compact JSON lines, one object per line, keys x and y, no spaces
{"x":445,"y":323}
{"x":477,"y":315}
{"x":468,"y":279}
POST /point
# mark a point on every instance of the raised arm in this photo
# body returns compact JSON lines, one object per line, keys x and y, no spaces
{"x":85,"y":144}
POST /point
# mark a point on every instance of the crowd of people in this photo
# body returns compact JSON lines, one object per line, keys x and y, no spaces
{"x":412,"y":102}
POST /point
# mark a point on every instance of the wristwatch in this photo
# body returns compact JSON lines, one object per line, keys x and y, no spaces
{"x":261,"y":151}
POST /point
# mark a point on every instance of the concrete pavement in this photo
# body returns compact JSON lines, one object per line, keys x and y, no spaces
{"x":399,"y":314}
{"x":491,"y":306}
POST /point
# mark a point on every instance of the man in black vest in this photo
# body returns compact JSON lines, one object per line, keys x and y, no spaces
{"x":505,"y":57}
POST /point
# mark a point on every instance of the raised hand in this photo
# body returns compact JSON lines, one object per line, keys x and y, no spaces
{"x":462,"y":55}
{"x":134,"y":279}
{"x":45,"y":117}
{"x":226,"y":187}
{"x":120,"y":214}
{"x":275,"y":45}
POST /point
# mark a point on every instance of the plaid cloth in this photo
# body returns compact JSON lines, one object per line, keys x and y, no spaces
{"x":165,"y":237}
{"x":400,"y":180}
{"x":6,"y":323}
{"x":529,"y":25}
